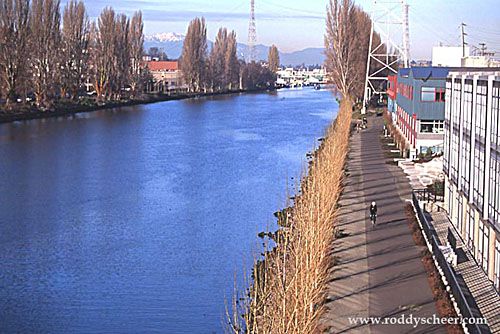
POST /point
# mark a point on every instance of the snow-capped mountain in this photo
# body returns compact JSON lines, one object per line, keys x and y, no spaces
{"x":171,"y":44}
{"x":165,"y":37}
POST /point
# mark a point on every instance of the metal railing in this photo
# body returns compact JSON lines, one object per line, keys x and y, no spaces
{"x":426,"y":195}
{"x":444,"y":267}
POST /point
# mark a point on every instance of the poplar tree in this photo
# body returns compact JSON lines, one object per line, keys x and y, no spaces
{"x":346,"y":46}
{"x":75,"y":40}
{"x":44,"y":54}
{"x":14,"y":39}
{"x":193,"y":60}
{"x":136,"y":36}
{"x":121,"y":56}
{"x":231,"y":63}
{"x":273,"y":58}
{"x":103,"y":52}
{"x":217,"y":66}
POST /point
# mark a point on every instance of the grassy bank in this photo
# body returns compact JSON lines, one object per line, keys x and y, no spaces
{"x":288,"y":288}
{"x":66,"y":108}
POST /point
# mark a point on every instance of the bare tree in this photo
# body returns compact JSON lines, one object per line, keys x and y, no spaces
{"x":45,"y":41}
{"x":75,"y":40}
{"x":194,"y":55}
{"x":103,"y":52}
{"x":217,"y":61}
{"x":136,"y":36}
{"x":231,"y":63}
{"x":14,"y":36}
{"x":342,"y":46}
{"x":122,"y":55}
{"x":273,"y":58}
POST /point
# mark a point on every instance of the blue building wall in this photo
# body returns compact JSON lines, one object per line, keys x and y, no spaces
{"x":416,"y":78}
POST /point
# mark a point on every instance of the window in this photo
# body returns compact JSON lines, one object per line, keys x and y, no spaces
{"x":439,"y":96}
{"x":496,"y":274}
{"x":478,"y":193}
{"x":465,"y":166}
{"x":446,"y":145}
{"x":428,"y":94}
{"x":469,"y":230}
{"x":493,"y":209}
{"x":483,"y":251}
{"x":482,"y":90}
{"x":460,"y":214}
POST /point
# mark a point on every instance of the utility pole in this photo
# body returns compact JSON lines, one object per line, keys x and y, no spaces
{"x":252,"y":33}
{"x":463,"y":25}
{"x":483,"y":49}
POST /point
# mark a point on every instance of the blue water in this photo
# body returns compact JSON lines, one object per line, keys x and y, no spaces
{"x":136,"y":220}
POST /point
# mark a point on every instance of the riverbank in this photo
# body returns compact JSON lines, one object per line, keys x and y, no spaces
{"x":289,"y":285}
{"x":71,"y":108}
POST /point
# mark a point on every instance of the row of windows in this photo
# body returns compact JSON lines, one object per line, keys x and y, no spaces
{"x":433,"y":126}
{"x":405,"y":90}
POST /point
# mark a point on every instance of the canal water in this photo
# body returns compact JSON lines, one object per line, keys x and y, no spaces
{"x":137,"y":220}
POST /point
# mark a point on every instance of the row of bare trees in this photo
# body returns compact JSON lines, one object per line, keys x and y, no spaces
{"x":347,"y":37}
{"x":52,"y":57}
{"x":219,"y":70}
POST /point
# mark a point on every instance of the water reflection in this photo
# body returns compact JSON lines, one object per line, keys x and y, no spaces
{"x":135,"y":219}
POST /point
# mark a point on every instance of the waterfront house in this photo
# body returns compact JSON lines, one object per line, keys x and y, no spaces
{"x":166,"y":74}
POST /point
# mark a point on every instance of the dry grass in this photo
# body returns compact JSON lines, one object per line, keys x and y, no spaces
{"x":288,"y":288}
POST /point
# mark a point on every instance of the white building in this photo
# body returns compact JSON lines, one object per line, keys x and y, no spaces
{"x":472,"y":164}
{"x":290,"y":77}
{"x":448,"y":56}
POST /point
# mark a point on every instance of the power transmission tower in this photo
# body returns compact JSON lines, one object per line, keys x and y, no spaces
{"x":252,"y":34}
{"x":390,"y":22}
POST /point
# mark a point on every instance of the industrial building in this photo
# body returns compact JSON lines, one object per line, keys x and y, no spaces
{"x":419,"y":106}
{"x":472,"y":163}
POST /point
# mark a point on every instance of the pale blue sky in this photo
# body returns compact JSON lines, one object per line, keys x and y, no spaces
{"x":298,"y":24}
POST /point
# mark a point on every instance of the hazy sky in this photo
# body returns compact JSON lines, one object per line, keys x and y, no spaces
{"x":298,"y":24}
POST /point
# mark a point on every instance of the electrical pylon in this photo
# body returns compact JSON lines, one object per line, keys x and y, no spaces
{"x":252,"y":33}
{"x":390,"y":22}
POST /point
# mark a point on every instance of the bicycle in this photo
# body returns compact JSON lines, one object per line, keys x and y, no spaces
{"x":373,"y":218}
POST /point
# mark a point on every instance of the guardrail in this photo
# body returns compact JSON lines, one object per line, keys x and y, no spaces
{"x":447,"y":273}
{"x":427,"y":195}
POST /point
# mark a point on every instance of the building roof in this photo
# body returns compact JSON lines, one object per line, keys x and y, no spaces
{"x":430,"y":72}
{"x":438,"y":72}
{"x":167,"y":65}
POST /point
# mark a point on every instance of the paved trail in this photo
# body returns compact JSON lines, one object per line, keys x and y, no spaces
{"x":379,"y":271}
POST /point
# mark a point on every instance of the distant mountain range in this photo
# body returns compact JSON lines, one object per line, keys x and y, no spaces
{"x":171,"y":43}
